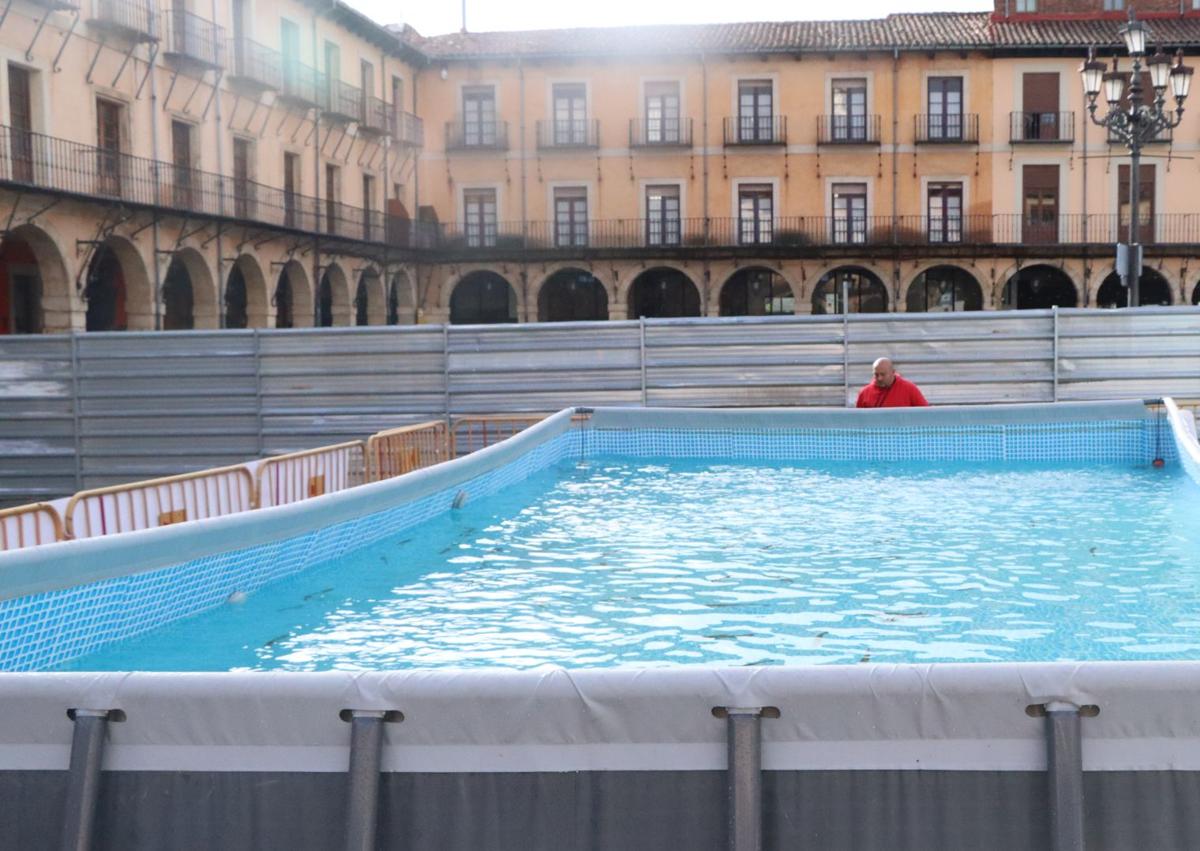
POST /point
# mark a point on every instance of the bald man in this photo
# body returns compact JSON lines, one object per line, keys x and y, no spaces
{"x":889,"y":389}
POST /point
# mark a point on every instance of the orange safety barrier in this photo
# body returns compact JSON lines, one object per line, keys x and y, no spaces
{"x":284,"y":479}
{"x":29,"y":526}
{"x":401,"y":450}
{"x":160,"y":502}
{"x":472,"y":433}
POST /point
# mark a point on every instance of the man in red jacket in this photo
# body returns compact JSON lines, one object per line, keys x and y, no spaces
{"x":889,"y":389}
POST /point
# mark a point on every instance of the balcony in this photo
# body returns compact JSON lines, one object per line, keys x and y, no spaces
{"x":407,"y":129}
{"x":133,"y":19}
{"x":255,"y":66}
{"x":341,"y":101}
{"x":301,"y":85}
{"x":660,"y":132}
{"x":573,"y":133}
{"x":946,"y":129}
{"x":1041,"y":127}
{"x":373,"y":117}
{"x":477,"y":136}
{"x":848,"y":129}
{"x":756,"y":130}
{"x":193,"y":40}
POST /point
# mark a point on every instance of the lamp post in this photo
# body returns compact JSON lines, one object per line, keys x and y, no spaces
{"x":1139,"y":122}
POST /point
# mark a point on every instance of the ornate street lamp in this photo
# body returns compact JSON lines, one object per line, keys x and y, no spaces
{"x":1139,"y":122}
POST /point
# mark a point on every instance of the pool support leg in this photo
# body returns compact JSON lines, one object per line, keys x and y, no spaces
{"x":83,"y":778}
{"x":743,"y":728}
{"x":366,"y":755}
{"x":1064,"y":759}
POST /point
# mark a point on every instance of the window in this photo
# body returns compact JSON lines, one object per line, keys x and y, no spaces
{"x":20,"y":118}
{"x":291,"y":186}
{"x":1040,"y":207}
{"x":1114,"y":5}
{"x":332,"y":194}
{"x":108,"y":142}
{"x":243,"y":189}
{"x":945,"y":108}
{"x":850,"y":212}
{"x":479,"y":117}
{"x":1040,"y":103}
{"x":1145,"y":202}
{"x":570,"y":216}
{"x":479,"y":217}
{"x":945,"y":212}
{"x":662,"y":113}
{"x":662,"y":215}
{"x":755,"y":111}
{"x":368,"y":196}
{"x":289,"y":48}
{"x":570,"y":114}
{"x":1026,"y":6}
{"x":849,"y":99}
{"x":756,"y":214}
{"x":181,"y":158}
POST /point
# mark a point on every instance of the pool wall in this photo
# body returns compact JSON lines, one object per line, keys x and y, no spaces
{"x":1012,"y":756}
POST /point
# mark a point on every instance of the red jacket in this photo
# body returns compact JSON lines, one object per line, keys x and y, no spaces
{"x":901,"y":394}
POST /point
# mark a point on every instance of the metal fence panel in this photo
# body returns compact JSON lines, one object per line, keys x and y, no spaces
{"x":37,"y":412}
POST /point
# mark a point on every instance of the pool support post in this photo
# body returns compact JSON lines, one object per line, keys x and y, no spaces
{"x":1064,"y":764}
{"x":743,"y":728}
{"x":83,"y":776}
{"x":366,"y":754}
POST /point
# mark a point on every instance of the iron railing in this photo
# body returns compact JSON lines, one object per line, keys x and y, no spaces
{"x":407,"y":129}
{"x":756,"y":130}
{"x":341,"y":100}
{"x":848,"y":129}
{"x":939,"y":128}
{"x":373,"y":114}
{"x":476,"y":135}
{"x":302,"y":83}
{"x":568,"y":133}
{"x":1042,"y":127}
{"x":192,"y":37}
{"x":660,"y":132}
{"x":133,"y":17}
{"x":249,"y":60}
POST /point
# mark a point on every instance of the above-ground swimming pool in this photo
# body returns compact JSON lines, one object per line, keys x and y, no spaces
{"x":634,"y":628}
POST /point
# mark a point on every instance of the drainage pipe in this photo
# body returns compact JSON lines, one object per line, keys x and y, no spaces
{"x":83,"y":778}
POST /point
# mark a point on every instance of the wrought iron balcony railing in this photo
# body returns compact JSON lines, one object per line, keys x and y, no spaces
{"x":407,"y":129}
{"x":1042,"y":127}
{"x":660,"y":132}
{"x":194,"y":39}
{"x":301,"y":84}
{"x":476,"y":135}
{"x":341,"y":100}
{"x":569,"y":133}
{"x":942,"y":129}
{"x":254,"y":63}
{"x":756,"y":130}
{"x":133,"y":18}
{"x":848,"y":129}
{"x":373,"y":116}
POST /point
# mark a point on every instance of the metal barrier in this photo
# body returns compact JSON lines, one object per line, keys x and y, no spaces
{"x":398,"y":451}
{"x":160,"y":502}
{"x":29,"y":526}
{"x":470,"y":434}
{"x":284,"y":479}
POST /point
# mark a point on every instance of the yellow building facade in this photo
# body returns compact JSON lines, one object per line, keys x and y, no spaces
{"x":290,"y":164}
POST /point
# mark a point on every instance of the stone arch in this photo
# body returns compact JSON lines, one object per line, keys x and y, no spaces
{"x":188,"y":294}
{"x":1196,"y":294}
{"x":943,"y":288}
{"x":117,"y":289}
{"x":757,"y":291}
{"x":370,"y":301}
{"x":483,"y":297}
{"x":292,"y":297}
{"x":867,"y":291}
{"x":332,"y":305}
{"x":401,"y":300}
{"x":572,"y":294}
{"x":35,"y":289}
{"x":1040,"y":286}
{"x":1153,"y":288}
{"x":246,"y":302}
{"x":663,"y":291}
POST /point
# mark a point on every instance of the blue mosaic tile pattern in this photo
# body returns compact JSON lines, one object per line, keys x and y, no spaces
{"x":43,"y":630}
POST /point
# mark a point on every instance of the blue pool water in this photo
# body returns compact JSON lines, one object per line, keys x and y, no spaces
{"x":626,"y":562}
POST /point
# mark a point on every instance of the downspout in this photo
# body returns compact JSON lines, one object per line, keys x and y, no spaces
{"x":318,"y":219}
{"x":1086,"y":261}
{"x":524,"y":189}
{"x":895,"y":165}
{"x":704,"y":140}
{"x":220,"y":191}
{"x":157,"y":177}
